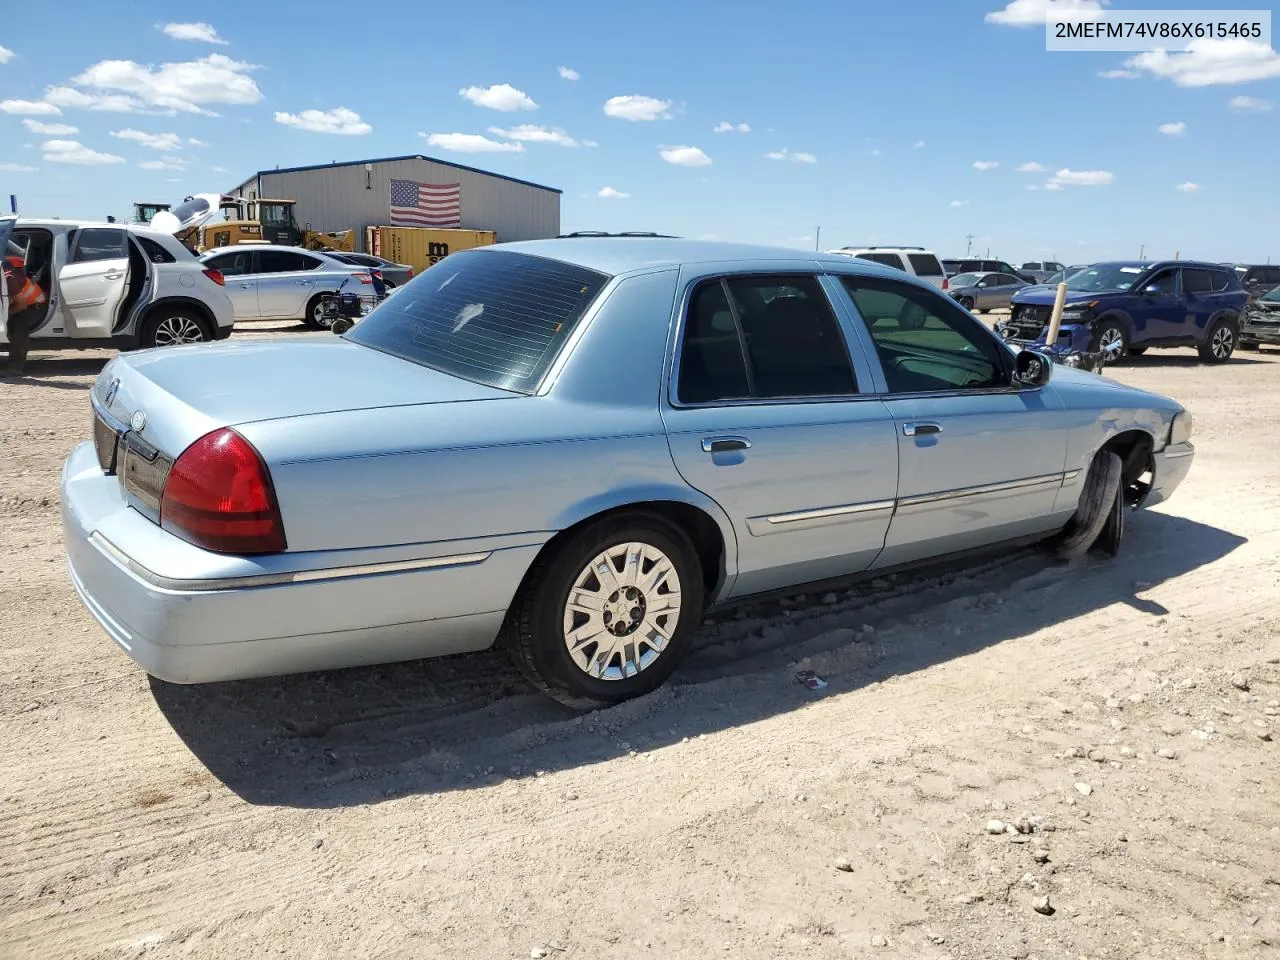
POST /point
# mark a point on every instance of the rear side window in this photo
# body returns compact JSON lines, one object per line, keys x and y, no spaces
{"x":495,"y":318}
{"x":1271,"y":275}
{"x":764,"y":338}
{"x":232,"y":264}
{"x":153,"y":251}
{"x":95,"y":243}
{"x":925,"y":264}
{"x":1197,"y":281}
{"x":1222,"y":280}
{"x":887,"y":259}
{"x":284,"y":261}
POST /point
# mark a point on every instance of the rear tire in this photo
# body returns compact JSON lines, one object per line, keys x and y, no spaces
{"x":312,"y":318}
{"x":610,"y":644}
{"x":173,"y":326}
{"x":1219,"y":341}
{"x":1101,"y":489}
{"x":966,"y":302}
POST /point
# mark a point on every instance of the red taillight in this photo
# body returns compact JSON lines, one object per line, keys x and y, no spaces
{"x":364,"y":278}
{"x":377,"y":274}
{"x":946,"y":284}
{"x":411,"y":273}
{"x":219,"y":496}
{"x":217,"y":277}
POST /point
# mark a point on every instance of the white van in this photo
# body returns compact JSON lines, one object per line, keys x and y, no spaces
{"x":116,"y":285}
{"x":916,"y":261}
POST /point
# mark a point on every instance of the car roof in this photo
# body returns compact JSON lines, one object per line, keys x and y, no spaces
{"x":617,"y":255}
{"x":1152,"y":264}
{"x":256,"y":246}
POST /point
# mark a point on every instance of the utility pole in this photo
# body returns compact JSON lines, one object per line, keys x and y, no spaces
{"x":817,"y":239}
{"x":1142,"y":248}
{"x":968,"y":245}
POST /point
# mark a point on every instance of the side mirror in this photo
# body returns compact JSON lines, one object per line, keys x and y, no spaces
{"x":1031,"y":368}
{"x":1150,"y":290}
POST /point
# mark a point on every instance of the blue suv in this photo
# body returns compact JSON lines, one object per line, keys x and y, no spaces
{"x":1123,"y":307}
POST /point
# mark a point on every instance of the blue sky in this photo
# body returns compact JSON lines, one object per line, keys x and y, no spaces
{"x":875,"y":115}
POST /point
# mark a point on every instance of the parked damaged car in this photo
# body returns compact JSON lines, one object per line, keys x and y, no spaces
{"x":1261,"y":321}
{"x":1120,"y":308}
{"x":577,"y":447}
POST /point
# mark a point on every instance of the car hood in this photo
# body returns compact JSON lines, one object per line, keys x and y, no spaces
{"x":184,"y":392}
{"x":1043,"y":295}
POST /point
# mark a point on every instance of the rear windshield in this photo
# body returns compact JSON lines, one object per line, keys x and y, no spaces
{"x":491,"y":317}
{"x":925,"y":264}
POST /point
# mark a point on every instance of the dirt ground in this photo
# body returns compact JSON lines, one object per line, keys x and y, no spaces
{"x":1124,"y":713}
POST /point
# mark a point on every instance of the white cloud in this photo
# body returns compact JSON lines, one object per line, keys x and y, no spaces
{"x":785,"y":154}
{"x":684,"y":156}
{"x":470,"y":143}
{"x":1031,"y":167}
{"x":959,"y":203}
{"x":1188,"y":187}
{"x":32,"y":108}
{"x":724,"y":126}
{"x":568,"y":73}
{"x":500,"y":96}
{"x":102,"y":102}
{"x":1207,"y":63}
{"x":1079,"y":178}
{"x":152,"y":141}
{"x":339,"y":120}
{"x":50,"y":129}
{"x":985,"y":164}
{"x":608,"y":193}
{"x":168,"y":163}
{"x":1249,"y":103}
{"x":918,"y":145}
{"x":70,"y":151}
{"x":16,"y":168}
{"x":1119,"y":74}
{"x":184,"y":86}
{"x":197,"y":143}
{"x":5,"y":54}
{"x":635,"y":107}
{"x":1173,"y":129}
{"x":533,"y":133}
{"x":1032,"y":186}
{"x":1035,"y":13}
{"x":200,"y":32}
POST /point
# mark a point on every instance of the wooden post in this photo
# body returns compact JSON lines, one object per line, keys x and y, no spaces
{"x":1055,"y":318}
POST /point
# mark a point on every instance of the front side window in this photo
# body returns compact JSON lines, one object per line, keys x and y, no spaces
{"x":95,"y":243}
{"x":491,"y":317}
{"x":924,"y":341}
{"x":762,"y":338}
{"x":1165,"y":283}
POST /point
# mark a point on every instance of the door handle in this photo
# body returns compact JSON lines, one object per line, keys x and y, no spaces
{"x":246,"y":286}
{"x":303,"y":283}
{"x":921,"y":428}
{"x":724,"y":444}
{"x":113,"y":275}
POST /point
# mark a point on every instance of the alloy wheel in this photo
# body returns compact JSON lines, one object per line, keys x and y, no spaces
{"x":621,"y":611}
{"x":1221,"y":343}
{"x":1111,"y":343}
{"x":172,"y":331}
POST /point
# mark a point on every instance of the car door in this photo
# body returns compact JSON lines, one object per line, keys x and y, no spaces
{"x":93,"y":282}
{"x":285,"y":282}
{"x":1200,"y":290}
{"x":1159,"y":311}
{"x":980,"y":460}
{"x":1005,"y":287}
{"x":764,"y":414}
{"x":6,"y":231}
{"x":240,"y":283}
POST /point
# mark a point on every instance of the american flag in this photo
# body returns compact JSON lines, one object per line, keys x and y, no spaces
{"x":416,"y":204}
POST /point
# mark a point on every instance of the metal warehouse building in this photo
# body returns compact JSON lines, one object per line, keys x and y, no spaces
{"x":355,"y":195}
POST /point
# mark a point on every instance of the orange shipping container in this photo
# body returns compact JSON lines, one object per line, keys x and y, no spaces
{"x":420,"y":247}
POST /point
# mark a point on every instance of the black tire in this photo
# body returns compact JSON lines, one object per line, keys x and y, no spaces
{"x":1101,"y":488}
{"x":388,"y":284}
{"x":1219,"y":341}
{"x":966,"y":302}
{"x":1137,"y":351}
{"x":1113,"y":334}
{"x":536,"y":625}
{"x":311,"y":318}
{"x":172,"y":326}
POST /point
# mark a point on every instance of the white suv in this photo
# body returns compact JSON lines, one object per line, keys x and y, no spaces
{"x":916,"y":261}
{"x":117,"y":285}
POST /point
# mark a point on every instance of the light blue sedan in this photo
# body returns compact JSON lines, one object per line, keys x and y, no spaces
{"x":579,"y":445}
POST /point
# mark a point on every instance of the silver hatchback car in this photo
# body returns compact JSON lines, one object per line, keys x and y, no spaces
{"x":268,"y":282}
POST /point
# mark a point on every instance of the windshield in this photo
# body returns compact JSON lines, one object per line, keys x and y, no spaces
{"x":1272,"y":295}
{"x":495,"y":318}
{"x":275,"y":214}
{"x":1106,"y":277}
{"x":965,"y":279}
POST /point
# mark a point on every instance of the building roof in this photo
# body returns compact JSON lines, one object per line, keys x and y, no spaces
{"x":410,"y":156}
